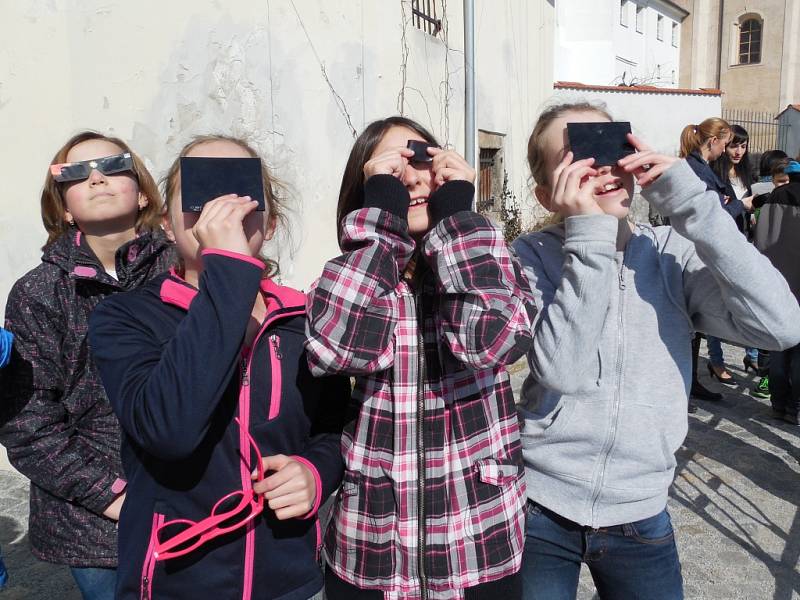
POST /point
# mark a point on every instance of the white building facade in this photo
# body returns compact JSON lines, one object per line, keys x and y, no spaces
{"x":618,"y":42}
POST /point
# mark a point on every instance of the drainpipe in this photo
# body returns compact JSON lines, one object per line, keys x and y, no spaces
{"x":469,"y":70}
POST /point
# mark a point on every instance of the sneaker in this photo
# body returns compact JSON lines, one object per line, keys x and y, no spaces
{"x":702,"y":393}
{"x":762,"y":388}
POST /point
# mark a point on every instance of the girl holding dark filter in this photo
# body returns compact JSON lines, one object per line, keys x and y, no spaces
{"x":425,"y":307}
{"x":230,"y":445}
{"x":604,"y":406}
{"x":102,"y":212}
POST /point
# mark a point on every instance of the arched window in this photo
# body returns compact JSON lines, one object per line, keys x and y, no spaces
{"x":750,"y":41}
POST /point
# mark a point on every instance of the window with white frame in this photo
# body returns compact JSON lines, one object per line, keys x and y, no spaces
{"x":660,"y":28}
{"x":675,"y":34}
{"x":640,"y":19}
{"x":623,"y":13}
{"x":750,"y":35}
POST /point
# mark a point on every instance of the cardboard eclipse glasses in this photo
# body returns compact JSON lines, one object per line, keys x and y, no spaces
{"x":78,"y":171}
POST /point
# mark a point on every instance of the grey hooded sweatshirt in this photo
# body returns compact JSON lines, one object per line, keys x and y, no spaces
{"x":604,"y":406}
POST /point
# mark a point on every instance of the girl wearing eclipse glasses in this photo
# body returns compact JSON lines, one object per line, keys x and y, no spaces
{"x":102,"y":211}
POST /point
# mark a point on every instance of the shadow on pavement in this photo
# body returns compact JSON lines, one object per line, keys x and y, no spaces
{"x":756,"y":467}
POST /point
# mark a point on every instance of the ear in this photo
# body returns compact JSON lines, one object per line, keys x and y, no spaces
{"x":166,"y":225}
{"x":68,"y":217}
{"x":271,"y":226}
{"x":143,"y":201}
{"x":543,"y":195}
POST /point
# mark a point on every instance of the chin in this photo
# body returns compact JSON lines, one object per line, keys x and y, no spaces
{"x":617,"y":205}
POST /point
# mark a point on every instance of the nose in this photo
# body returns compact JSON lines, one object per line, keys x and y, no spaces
{"x":96,"y":177}
{"x":605,"y":170}
{"x":410,"y":176}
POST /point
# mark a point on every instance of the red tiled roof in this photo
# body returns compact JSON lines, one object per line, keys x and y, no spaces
{"x":644,"y":89}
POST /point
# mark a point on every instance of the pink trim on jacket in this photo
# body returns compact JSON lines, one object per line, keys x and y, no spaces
{"x":317,"y":483}
{"x":237,"y":255}
{"x":119,"y":486}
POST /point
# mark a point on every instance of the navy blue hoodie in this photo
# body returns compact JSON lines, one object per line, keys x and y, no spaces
{"x":173,"y":364}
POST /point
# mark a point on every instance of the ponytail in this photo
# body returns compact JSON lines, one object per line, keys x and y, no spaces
{"x":694,"y":136}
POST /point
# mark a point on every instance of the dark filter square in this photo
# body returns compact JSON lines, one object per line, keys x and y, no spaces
{"x":203,"y":179}
{"x":605,"y":142}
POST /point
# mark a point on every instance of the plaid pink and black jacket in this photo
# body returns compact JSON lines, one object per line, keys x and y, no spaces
{"x":433,"y":493}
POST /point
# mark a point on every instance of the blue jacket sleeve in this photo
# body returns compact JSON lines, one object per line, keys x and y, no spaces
{"x":323,"y":451}
{"x":165,"y":397}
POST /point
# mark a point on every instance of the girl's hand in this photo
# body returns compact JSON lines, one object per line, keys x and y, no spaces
{"x":449,"y":165}
{"x":220,"y":223}
{"x":748,"y":203}
{"x":392,"y":162}
{"x":113,"y":510}
{"x":646,"y":165}
{"x":573,"y":192}
{"x":291,"y":491}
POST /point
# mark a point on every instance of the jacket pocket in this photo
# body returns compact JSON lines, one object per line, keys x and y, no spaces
{"x":497,"y":518}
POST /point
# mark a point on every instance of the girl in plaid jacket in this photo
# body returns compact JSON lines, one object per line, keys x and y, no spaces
{"x":425,"y":308}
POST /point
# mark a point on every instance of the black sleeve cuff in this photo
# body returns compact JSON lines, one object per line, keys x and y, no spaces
{"x":387,"y":193}
{"x":452,"y":197}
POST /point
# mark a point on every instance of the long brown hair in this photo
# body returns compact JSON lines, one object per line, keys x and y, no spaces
{"x":54,"y":204}
{"x":274,"y":189}
{"x":693,"y":137}
{"x":351,"y":193}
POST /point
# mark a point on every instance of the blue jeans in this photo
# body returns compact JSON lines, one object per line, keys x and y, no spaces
{"x":715,"y":351}
{"x":95,"y":583}
{"x":633,"y":560}
{"x":3,"y":573}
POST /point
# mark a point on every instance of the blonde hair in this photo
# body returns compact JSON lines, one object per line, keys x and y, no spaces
{"x":54,"y":204}
{"x":693,"y":137}
{"x":537,"y":158}
{"x":273,"y":188}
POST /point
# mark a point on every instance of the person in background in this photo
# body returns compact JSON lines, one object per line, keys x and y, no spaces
{"x":700,"y":145}
{"x":735,"y":170}
{"x":774,"y":164}
{"x":776,"y":235}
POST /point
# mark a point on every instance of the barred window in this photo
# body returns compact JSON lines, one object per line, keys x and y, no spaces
{"x":423,"y":15}
{"x":750,"y":42}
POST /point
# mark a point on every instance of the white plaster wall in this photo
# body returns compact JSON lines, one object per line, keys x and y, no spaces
{"x":657,"y":118}
{"x":516,"y":76}
{"x":157,"y":73}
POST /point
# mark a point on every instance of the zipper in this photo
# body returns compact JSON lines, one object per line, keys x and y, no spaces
{"x":611,"y":437}
{"x":275,"y":357}
{"x":421,"y":445}
{"x":244,"y":446}
{"x":149,"y":565}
